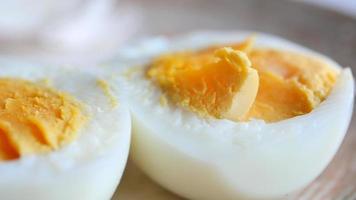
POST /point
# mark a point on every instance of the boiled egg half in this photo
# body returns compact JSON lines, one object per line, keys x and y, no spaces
{"x":229,"y":115}
{"x":64,"y":133}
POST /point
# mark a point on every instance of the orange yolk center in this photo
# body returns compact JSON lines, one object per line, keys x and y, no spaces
{"x":240,"y":82}
{"x":35,"y":119}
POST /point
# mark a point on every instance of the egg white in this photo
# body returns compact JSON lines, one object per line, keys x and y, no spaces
{"x":221,"y":159}
{"x":88,"y":168}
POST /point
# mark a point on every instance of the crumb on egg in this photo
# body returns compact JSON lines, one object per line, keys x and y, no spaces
{"x":163,"y":100}
{"x":107,"y":91}
{"x":45,"y":81}
{"x":131,"y":71}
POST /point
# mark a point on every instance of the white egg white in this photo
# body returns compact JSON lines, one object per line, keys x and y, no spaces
{"x":221,"y":159}
{"x":88,"y":168}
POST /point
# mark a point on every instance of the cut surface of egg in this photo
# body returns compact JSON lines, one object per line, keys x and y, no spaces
{"x":183,"y":139}
{"x":222,"y":84}
{"x":61,"y":135}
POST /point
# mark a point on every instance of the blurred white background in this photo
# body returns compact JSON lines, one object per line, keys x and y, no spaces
{"x":74,"y":31}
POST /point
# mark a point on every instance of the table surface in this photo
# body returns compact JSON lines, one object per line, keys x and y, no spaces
{"x":323,"y":30}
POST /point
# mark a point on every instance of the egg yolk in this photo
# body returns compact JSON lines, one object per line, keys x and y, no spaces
{"x":222,"y":84}
{"x":291,"y":84}
{"x":208,"y":81}
{"x":35,"y":119}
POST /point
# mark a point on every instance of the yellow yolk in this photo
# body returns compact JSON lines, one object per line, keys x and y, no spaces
{"x":221,"y":82}
{"x":291,"y":84}
{"x":35,"y":119}
{"x":222,"y":85}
